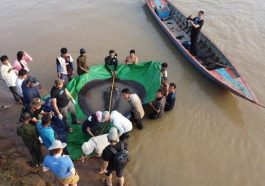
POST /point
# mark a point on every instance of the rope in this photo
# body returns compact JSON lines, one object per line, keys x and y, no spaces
{"x":110,"y":102}
{"x":112,"y":86}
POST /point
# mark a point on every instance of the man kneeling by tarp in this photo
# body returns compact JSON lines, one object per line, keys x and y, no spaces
{"x":95,"y":145}
{"x":93,"y":125}
{"x":119,"y":121}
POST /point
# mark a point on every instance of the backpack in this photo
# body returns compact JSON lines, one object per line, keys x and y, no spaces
{"x":121,"y":158}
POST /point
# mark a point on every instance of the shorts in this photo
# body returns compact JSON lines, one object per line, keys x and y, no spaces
{"x":64,"y":77}
{"x":119,"y":172}
{"x":70,"y":179}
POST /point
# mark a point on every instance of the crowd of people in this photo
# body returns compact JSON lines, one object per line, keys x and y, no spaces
{"x":36,"y":122}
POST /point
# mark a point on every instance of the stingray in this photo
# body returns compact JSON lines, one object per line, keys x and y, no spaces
{"x":95,"y":95}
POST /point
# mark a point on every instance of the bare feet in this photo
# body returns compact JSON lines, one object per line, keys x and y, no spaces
{"x":102,"y":171}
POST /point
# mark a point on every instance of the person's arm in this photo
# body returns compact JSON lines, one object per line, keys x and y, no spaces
{"x":107,"y":64}
{"x":72,"y":171}
{"x":16,"y":66}
{"x":56,"y":109}
{"x":69,"y":95}
{"x":197,"y":25}
{"x":189,"y":18}
{"x":34,"y":120}
{"x":136,"y":60}
{"x":70,"y":58}
{"x":27,"y":57}
{"x":45,"y":169}
{"x":126,"y":60}
{"x":51,"y":136}
{"x":89,"y":131}
{"x":194,"y":25}
{"x":154,"y":108}
{"x":4,"y":72}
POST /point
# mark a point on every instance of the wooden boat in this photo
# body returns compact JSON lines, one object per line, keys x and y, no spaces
{"x":209,"y":60}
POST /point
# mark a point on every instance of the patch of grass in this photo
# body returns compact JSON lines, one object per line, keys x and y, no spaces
{"x":6,"y":173}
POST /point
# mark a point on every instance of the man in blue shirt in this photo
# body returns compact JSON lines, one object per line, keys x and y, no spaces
{"x":45,"y":130}
{"x":30,"y":90}
{"x":171,"y":97}
{"x":60,"y":165}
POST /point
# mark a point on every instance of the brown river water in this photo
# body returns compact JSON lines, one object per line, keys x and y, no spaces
{"x":212,"y":138}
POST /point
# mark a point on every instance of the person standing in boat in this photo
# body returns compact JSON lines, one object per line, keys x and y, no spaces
{"x":111,"y":62}
{"x":132,"y":58}
{"x":196,"y":25}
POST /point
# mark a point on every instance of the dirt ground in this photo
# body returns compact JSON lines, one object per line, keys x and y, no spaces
{"x":15,"y":160}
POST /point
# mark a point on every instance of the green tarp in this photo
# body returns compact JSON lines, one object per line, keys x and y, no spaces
{"x":145,"y":73}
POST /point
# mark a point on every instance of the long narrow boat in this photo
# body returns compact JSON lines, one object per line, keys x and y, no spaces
{"x":209,"y":60}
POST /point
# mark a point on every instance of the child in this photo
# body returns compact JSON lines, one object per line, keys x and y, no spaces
{"x":30,"y":138}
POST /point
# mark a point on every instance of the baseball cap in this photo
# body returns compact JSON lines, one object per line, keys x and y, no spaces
{"x":113,"y":134}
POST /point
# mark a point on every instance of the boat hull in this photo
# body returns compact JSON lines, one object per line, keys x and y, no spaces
{"x":227,"y":76}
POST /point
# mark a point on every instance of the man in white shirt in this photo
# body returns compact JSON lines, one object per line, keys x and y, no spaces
{"x":22,"y":75}
{"x":137,"y":107}
{"x":95,"y":144}
{"x":64,"y":65}
{"x":123,"y":125}
{"x":10,"y":77}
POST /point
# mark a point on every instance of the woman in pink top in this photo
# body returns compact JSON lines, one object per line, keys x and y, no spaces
{"x":132,"y":58}
{"x":22,"y":61}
